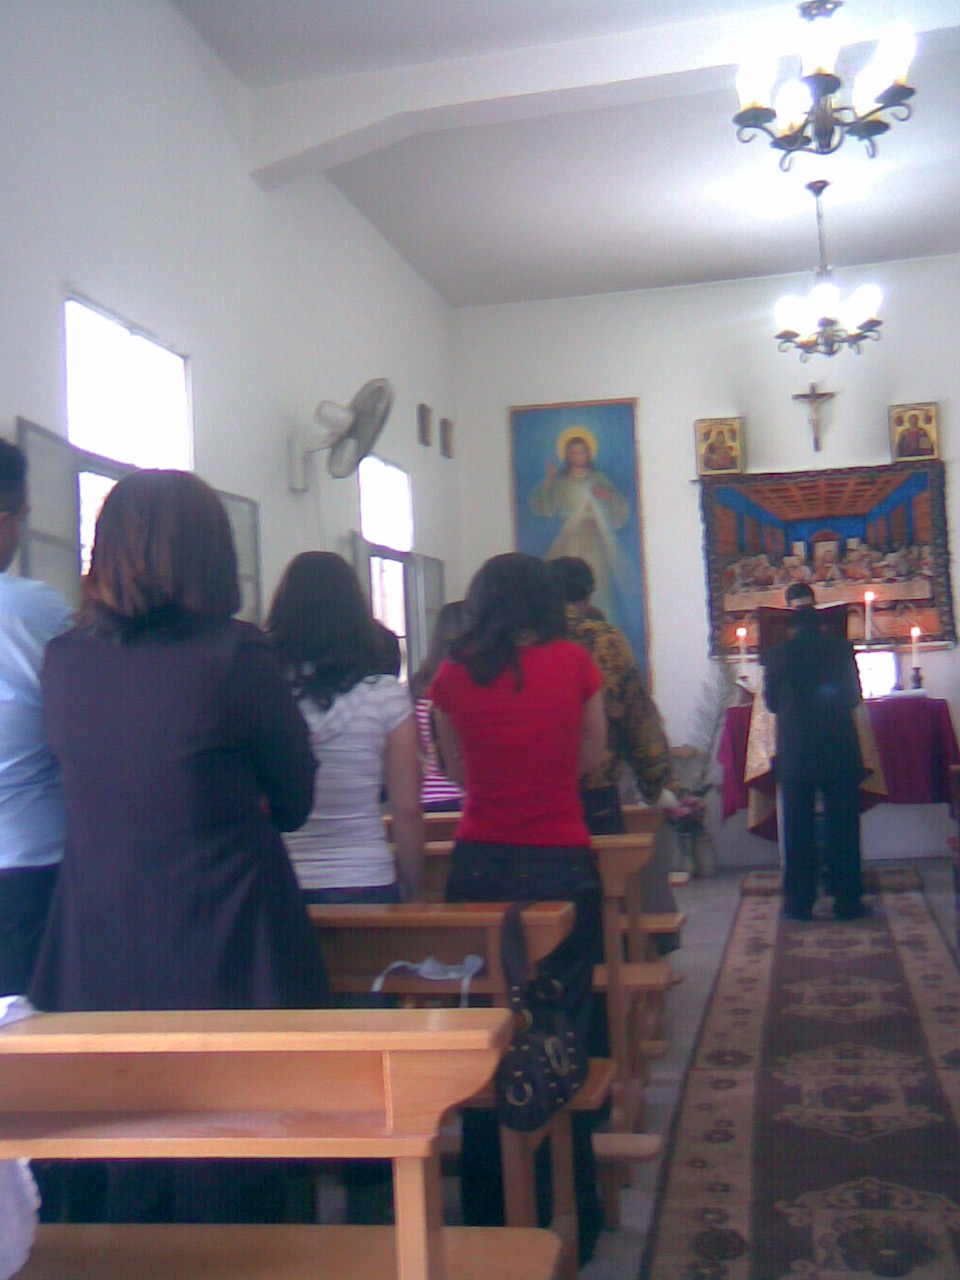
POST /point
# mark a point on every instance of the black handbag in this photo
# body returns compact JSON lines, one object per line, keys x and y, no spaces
{"x":545,"y":1063}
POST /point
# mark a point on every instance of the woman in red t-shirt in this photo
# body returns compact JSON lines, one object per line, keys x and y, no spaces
{"x":519,"y":718}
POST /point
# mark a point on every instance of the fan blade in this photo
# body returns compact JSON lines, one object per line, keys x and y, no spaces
{"x":370,"y":407}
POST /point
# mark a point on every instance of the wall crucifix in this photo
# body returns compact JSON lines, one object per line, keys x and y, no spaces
{"x":814,"y":401}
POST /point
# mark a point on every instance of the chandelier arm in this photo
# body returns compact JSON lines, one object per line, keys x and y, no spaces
{"x":747,"y":132}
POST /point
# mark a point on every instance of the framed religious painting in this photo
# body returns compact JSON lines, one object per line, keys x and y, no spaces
{"x":870,"y":541}
{"x":576,"y":493}
{"x":719,"y":443}
{"x":913,"y":431}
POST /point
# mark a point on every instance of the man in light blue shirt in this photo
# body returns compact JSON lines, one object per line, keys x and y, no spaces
{"x":31,"y":800}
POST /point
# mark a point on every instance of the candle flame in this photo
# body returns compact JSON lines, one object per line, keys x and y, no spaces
{"x":870,"y":596}
{"x":915,"y":633}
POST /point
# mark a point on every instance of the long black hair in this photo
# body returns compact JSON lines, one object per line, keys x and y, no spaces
{"x":446,"y":629}
{"x":321,"y":627}
{"x":513,"y":599}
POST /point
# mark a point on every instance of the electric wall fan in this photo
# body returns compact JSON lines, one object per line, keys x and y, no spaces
{"x":346,"y":433}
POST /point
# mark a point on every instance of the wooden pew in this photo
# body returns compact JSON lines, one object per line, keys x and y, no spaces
{"x":359,"y":942}
{"x":272,"y":1084}
{"x":628,"y":977}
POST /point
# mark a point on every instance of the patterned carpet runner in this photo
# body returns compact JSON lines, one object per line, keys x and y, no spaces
{"x":819,"y":1133}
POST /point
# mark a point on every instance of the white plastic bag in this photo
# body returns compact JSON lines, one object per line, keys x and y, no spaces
{"x":19,"y":1216}
{"x":19,"y":1197}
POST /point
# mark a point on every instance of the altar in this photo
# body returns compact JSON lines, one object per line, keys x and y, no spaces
{"x":914,"y":744}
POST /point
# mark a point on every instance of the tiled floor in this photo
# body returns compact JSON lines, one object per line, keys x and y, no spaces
{"x":710,"y":906}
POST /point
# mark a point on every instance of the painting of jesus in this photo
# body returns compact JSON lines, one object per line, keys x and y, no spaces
{"x":575,"y":494}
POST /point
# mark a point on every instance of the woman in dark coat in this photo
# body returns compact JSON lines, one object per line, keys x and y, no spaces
{"x":183,"y":757}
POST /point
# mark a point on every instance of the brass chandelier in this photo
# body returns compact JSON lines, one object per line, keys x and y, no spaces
{"x":822,"y":323}
{"x":808,"y":113}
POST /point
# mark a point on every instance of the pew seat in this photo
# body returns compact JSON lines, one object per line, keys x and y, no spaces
{"x":278,"y":1253}
{"x":296,"y":1084}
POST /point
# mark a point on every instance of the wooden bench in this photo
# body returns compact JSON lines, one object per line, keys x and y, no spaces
{"x":272,"y":1084}
{"x":634,"y":977}
{"x":359,"y":942}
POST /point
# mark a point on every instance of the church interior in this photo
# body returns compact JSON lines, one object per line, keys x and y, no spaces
{"x":500,"y":205}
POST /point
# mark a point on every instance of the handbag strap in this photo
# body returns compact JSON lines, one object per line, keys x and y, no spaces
{"x":513,"y":956}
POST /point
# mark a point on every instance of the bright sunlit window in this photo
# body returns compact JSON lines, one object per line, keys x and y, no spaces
{"x":386,"y":504}
{"x":878,"y":673}
{"x":127,"y":396}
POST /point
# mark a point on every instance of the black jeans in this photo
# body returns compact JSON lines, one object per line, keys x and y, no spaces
{"x":25,"y":894}
{"x":525,"y":873}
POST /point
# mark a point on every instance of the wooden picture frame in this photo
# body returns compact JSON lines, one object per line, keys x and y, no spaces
{"x":845,"y":531}
{"x":576,"y":492}
{"x":425,"y":424}
{"x":446,"y":437}
{"x":719,"y":445}
{"x":913,"y":431}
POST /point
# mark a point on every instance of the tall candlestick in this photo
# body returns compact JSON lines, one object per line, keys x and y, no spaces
{"x":868,"y":599}
{"x":742,"y":638}
{"x":914,"y":647}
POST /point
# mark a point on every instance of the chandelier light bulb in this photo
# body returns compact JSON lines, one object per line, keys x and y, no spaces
{"x":867,"y":88}
{"x":824,"y":302}
{"x":792,"y":105}
{"x":893,"y":55}
{"x":820,"y":47}
{"x":788,"y":314}
{"x":862,"y":306}
{"x":755,"y":81}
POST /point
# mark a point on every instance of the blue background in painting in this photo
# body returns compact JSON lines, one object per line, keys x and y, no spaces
{"x":534,"y":433}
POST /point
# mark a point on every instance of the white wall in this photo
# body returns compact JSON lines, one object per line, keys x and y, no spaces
{"x":703,"y":352}
{"x":122,"y":163}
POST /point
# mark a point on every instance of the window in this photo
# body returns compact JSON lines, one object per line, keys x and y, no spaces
{"x":128,"y":406}
{"x":386,"y":505}
{"x":405,"y":590}
{"x":127,"y":400}
{"x":127,"y":396}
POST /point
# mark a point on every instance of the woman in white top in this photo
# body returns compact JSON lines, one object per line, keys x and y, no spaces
{"x":364,"y":737}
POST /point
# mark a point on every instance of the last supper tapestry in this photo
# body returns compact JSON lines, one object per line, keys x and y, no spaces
{"x":856,"y":534}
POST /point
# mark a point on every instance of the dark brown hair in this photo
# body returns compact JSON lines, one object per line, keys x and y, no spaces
{"x":512,"y":599}
{"x":163,"y":549}
{"x":13,"y":476}
{"x":321,"y":627}
{"x":446,"y":629}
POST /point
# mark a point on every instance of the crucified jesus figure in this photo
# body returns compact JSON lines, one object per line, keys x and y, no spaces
{"x":814,"y":401}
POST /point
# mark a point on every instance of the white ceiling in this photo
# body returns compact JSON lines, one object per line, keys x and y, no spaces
{"x":527,"y":149}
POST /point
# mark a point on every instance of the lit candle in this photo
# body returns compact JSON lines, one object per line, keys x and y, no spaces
{"x":914,"y":653}
{"x":868,"y":599}
{"x":742,"y":638}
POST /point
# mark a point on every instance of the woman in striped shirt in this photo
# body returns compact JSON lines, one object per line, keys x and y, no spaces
{"x":364,"y":737}
{"x":437,"y":793}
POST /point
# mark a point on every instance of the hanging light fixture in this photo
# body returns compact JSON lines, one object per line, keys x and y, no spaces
{"x":807,"y":113}
{"x":822,"y":324}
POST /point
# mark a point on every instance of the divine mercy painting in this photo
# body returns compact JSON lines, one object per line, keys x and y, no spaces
{"x":857,"y":534}
{"x":575,"y":493}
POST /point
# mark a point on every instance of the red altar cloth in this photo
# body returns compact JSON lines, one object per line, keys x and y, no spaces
{"x":915,"y":740}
